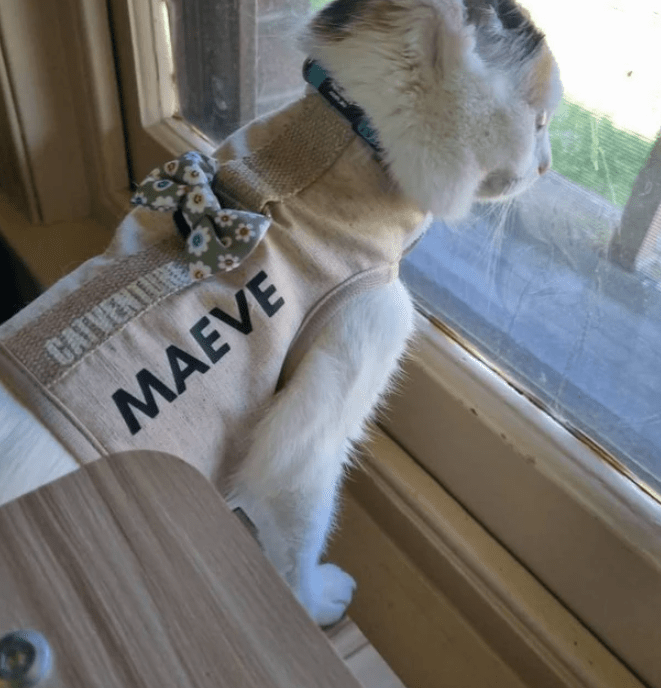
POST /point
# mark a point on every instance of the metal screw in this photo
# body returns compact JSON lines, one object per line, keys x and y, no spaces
{"x":25,"y":658}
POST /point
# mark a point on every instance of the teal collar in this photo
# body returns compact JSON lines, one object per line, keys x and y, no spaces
{"x":316,"y":76}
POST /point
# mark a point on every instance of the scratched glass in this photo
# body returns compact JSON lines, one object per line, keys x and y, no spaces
{"x":560,"y":288}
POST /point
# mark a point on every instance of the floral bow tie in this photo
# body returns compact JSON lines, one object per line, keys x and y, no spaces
{"x":217,"y":239}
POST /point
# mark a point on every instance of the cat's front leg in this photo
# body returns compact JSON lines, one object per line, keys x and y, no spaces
{"x":289,"y":481}
{"x":288,"y":487}
{"x":304,"y":518}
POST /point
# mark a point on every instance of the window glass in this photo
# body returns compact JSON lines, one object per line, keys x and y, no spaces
{"x":560,"y":288}
{"x":235,"y":60}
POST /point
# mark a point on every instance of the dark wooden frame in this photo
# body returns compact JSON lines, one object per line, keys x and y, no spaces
{"x":215,"y":46}
{"x":627,"y":241}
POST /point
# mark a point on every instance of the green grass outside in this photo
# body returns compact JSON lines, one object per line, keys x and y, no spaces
{"x":591,"y":151}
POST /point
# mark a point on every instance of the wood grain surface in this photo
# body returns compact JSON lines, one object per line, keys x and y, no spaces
{"x":139,"y":575}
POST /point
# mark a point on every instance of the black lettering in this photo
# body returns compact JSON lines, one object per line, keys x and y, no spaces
{"x":244,"y":325}
{"x":148,"y":382}
{"x":180,"y":374}
{"x":205,"y":341}
{"x":263,"y":296}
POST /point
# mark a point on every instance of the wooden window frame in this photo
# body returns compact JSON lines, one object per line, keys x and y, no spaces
{"x":479,"y":436}
{"x":154,"y":131}
{"x":569,"y":512}
{"x":58,"y":85}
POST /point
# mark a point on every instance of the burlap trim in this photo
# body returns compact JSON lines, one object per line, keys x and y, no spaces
{"x":64,"y":425}
{"x":56,"y":341}
{"x":307,"y":147}
{"x":59,"y":339}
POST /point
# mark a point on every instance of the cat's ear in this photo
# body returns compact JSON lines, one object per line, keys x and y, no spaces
{"x":541,"y":83}
{"x":483,"y":13}
{"x":334,"y":21}
{"x":440,"y":37}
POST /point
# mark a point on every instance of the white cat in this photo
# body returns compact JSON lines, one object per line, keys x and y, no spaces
{"x":460,"y":95}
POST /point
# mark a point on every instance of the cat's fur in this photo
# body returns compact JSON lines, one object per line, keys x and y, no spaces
{"x":460,"y":95}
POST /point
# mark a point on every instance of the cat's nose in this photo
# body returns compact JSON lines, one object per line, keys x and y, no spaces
{"x":544,"y":167}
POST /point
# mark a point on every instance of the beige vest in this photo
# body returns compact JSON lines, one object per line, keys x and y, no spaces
{"x":129,"y":353}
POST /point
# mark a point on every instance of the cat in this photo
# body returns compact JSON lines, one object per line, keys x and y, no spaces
{"x":460,"y":95}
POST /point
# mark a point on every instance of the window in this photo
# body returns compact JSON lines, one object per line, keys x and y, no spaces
{"x":558,"y":292}
{"x":561,"y":287}
{"x":241,"y":65}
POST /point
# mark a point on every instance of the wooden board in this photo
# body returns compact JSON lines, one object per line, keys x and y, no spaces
{"x":139,"y":575}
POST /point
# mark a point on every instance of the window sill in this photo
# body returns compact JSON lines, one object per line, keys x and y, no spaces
{"x":586,"y":531}
{"x":51,"y":251}
{"x":442,"y":600}
{"x":605,"y":488}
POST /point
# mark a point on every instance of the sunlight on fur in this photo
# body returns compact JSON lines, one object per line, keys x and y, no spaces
{"x":461,"y":96}
{"x":462,"y":108}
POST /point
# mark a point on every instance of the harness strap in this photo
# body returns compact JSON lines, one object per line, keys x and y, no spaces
{"x":324,"y":311}
{"x":286,"y":164}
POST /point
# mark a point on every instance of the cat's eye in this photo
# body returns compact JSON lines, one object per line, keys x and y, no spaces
{"x":542,"y":120}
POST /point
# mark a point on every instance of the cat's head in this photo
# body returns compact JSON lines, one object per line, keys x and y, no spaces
{"x":460,"y":92}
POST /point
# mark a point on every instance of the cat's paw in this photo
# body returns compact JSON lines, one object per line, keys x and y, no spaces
{"x":330,"y":593}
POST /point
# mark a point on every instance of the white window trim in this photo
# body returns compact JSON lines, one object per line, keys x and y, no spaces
{"x":154,"y":131}
{"x":586,"y":531}
{"x":441,"y":373}
{"x":400,"y":523}
{"x":592,"y":478}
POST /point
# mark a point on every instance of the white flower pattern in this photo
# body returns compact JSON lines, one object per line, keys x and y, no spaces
{"x":227,"y":262}
{"x":244,"y":232}
{"x":171,"y":167}
{"x":164,"y":203}
{"x":199,"y":270}
{"x":226,"y":218}
{"x":196,"y":200}
{"x":219,"y":238}
{"x":193,"y":175}
{"x":198,"y":241}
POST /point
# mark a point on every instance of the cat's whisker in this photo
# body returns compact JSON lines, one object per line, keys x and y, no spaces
{"x":494,"y":245}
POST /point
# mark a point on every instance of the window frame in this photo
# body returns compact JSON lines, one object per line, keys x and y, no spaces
{"x":154,"y":132}
{"x":59,"y":88}
{"x":442,"y":370}
{"x":527,"y":479}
